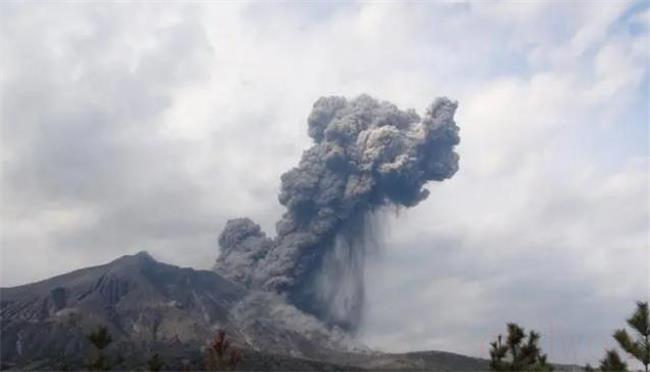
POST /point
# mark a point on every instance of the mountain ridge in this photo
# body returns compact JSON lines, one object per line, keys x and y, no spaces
{"x":152,"y":306}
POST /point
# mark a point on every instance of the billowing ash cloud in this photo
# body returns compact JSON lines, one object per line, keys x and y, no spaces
{"x":366,"y":154}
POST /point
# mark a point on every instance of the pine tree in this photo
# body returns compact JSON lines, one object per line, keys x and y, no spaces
{"x":612,"y":362}
{"x":518,"y":353}
{"x":101,"y":338}
{"x":640,"y":323}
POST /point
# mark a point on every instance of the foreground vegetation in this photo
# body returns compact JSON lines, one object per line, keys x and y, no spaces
{"x":636,"y":345}
{"x":517,"y":350}
{"x":219,"y":354}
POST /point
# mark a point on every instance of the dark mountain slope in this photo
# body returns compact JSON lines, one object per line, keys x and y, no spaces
{"x":139,"y":299}
{"x":150,"y":306}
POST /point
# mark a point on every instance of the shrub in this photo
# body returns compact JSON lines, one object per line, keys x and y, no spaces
{"x":517,"y":353}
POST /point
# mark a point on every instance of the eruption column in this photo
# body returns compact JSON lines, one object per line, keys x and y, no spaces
{"x":366,"y":154}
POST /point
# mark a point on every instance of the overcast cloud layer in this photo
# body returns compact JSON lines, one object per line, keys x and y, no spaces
{"x":145,"y":127}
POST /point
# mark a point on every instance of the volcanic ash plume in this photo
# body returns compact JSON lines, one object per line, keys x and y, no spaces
{"x":366,"y":154}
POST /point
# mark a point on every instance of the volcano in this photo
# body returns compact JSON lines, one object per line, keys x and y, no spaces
{"x":152,"y":307}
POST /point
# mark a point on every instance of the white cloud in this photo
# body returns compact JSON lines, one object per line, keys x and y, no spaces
{"x":146,"y":126}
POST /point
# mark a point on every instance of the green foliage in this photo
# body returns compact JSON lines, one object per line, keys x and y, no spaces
{"x":217,"y":356}
{"x":518,"y":353}
{"x":100,"y":338}
{"x":612,"y":362}
{"x":155,"y":363}
{"x":639,"y":346}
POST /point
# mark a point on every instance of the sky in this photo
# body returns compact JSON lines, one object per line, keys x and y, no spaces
{"x":129,"y":127}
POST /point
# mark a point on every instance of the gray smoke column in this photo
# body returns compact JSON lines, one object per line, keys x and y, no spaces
{"x":366,"y":154}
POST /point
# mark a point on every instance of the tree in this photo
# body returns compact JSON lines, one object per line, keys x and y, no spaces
{"x":155,"y":363}
{"x":101,"y":338}
{"x":217,"y":352}
{"x":639,"y":348}
{"x":612,"y":362}
{"x":518,"y":353}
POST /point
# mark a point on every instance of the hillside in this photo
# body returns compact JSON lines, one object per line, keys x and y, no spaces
{"x":149,"y":306}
